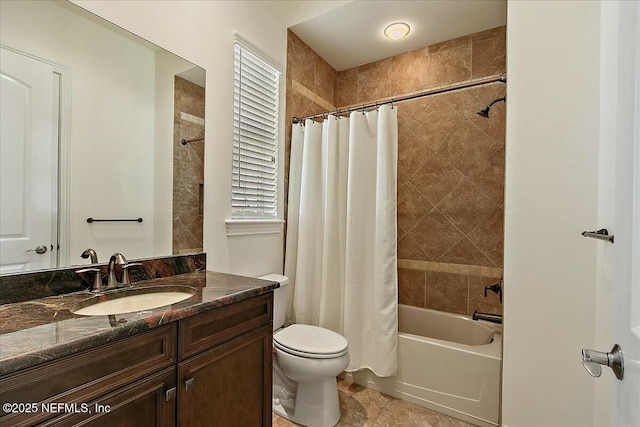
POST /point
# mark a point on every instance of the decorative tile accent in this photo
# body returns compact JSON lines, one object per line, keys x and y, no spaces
{"x":312,"y":96}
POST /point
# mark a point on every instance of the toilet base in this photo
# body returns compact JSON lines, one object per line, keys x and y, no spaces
{"x":316,"y":404}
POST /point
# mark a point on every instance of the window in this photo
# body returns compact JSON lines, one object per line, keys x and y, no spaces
{"x":255,"y":137}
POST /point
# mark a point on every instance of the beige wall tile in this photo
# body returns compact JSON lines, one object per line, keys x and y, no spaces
{"x":408,"y":248}
{"x":467,"y":147}
{"x":325,"y":80}
{"x":489,"y":237}
{"x":488,"y":58}
{"x":450,"y":66}
{"x":346,"y":92}
{"x":411,"y":287}
{"x":303,"y":64}
{"x":409,"y":72}
{"x":436,"y":178}
{"x":435,"y":234}
{"x":466,"y":206}
{"x":446,"y":292}
{"x":465,"y":252}
{"x":489,"y":34}
{"x":488,"y":176}
{"x":460,"y":42}
{"x":373,"y":81}
{"x":412,"y":206}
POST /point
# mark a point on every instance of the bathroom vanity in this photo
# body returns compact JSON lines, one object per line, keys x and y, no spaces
{"x":205,"y":361}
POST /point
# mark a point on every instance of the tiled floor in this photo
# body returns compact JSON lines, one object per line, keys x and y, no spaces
{"x":361,"y":406}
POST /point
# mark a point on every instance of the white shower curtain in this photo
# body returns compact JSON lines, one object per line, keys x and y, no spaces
{"x":341,"y":233}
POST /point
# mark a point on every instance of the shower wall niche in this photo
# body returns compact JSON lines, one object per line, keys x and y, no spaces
{"x":188,"y":167}
{"x":450,"y":160}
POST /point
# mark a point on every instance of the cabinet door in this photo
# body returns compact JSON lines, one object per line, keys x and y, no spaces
{"x":229,"y":385}
{"x":146,"y":403}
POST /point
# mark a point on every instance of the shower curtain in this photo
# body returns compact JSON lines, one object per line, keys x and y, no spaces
{"x":341,"y":233}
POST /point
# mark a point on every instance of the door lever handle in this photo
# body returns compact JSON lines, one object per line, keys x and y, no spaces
{"x":42,"y":249}
{"x":594,"y":360}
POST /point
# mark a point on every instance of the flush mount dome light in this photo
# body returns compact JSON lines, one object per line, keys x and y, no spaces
{"x":397,"y":31}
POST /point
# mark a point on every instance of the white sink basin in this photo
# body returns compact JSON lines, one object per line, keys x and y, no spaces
{"x":133,"y":299}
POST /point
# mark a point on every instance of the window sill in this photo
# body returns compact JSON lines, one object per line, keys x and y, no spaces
{"x":247,"y":227}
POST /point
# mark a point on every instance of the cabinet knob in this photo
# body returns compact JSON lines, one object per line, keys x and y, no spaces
{"x":188,"y":383}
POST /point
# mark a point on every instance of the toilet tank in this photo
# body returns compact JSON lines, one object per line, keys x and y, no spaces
{"x":279,"y":298}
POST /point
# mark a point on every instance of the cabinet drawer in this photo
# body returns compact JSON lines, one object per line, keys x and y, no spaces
{"x":88,"y":375}
{"x":142,"y":404}
{"x":201,"y":332}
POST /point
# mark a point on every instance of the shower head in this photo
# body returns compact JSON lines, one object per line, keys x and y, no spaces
{"x":485,"y":112}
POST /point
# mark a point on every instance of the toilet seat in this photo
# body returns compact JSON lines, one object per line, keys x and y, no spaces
{"x":311,"y":342}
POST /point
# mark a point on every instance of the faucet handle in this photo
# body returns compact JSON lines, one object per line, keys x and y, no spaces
{"x":97,"y":280}
{"x":497,"y":288}
{"x":125,"y":271}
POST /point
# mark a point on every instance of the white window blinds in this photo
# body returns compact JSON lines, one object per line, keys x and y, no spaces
{"x":255,"y":136}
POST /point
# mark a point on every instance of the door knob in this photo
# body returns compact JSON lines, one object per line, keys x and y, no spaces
{"x":39,"y":250}
{"x":594,"y":360}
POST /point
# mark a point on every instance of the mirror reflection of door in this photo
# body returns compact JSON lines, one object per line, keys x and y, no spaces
{"x":28,"y":158}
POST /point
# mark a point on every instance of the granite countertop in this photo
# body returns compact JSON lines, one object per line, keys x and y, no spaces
{"x":40,"y":330}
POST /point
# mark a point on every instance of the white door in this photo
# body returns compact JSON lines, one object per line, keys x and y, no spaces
{"x":28,"y":157}
{"x":618,"y":312}
{"x":626,"y":283}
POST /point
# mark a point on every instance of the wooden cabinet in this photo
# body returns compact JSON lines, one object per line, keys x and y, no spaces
{"x":86,"y":376}
{"x":229,"y":385}
{"x":225,"y":369}
{"x":211,"y":369}
{"x":141,"y":404}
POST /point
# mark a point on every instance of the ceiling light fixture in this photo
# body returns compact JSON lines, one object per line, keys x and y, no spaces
{"x":397,"y":30}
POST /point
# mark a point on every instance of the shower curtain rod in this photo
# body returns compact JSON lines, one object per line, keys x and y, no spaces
{"x":458,"y":86}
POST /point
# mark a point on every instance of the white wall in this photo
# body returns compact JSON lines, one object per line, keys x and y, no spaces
{"x":112,"y":161}
{"x":551,"y":197}
{"x":203,"y":33}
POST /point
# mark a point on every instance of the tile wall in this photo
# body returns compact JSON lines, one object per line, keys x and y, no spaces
{"x":188,"y":167}
{"x":450,"y":160}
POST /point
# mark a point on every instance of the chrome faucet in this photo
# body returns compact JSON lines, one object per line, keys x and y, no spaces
{"x":116,"y":258}
{"x":119,"y":259}
{"x":90,"y":253}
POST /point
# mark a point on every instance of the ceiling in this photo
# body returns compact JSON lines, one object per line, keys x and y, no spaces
{"x":352,"y":34}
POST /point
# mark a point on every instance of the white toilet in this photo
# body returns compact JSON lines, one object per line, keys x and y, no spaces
{"x":306,"y":361}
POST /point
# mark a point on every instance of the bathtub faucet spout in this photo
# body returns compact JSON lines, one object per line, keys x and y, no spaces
{"x":489,"y":317}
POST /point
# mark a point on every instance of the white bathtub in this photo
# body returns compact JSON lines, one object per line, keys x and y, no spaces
{"x":447,"y":362}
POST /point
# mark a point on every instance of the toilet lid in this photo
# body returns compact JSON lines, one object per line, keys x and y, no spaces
{"x":307,"y":340}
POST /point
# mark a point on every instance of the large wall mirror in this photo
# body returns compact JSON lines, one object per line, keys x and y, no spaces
{"x":97,"y":124}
